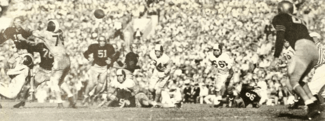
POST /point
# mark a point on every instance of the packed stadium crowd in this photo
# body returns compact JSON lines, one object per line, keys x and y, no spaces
{"x":187,"y":31}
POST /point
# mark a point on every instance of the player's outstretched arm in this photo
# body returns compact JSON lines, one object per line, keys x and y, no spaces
{"x":279,"y":42}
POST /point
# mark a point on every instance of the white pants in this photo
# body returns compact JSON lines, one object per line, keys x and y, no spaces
{"x":12,"y":89}
{"x":318,"y":80}
{"x":168,"y":99}
{"x":221,"y":80}
{"x":156,"y":82}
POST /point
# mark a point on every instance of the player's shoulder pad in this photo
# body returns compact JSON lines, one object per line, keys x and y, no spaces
{"x":109,"y":45}
{"x":281,"y":18}
{"x":9,"y":32}
{"x":93,"y":46}
{"x":229,"y":55}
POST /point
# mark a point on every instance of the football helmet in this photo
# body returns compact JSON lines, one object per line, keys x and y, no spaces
{"x":120,"y":72}
{"x":217,"y":49}
{"x":286,"y":7}
{"x":53,"y":26}
{"x":159,"y":48}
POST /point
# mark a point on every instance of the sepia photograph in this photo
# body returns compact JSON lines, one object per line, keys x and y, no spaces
{"x":162,"y":60}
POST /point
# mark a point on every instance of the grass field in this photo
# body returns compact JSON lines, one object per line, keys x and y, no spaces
{"x":189,"y":112}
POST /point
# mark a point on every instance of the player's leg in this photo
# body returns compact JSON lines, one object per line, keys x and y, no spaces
{"x":178,"y":98}
{"x":304,"y":59}
{"x":91,"y":83}
{"x":295,"y":70}
{"x":220,"y":84}
{"x":66,"y":88}
{"x":39,"y":77}
{"x":317,"y":81}
{"x":102,"y":80}
{"x":54,"y":80}
{"x":160,"y":85}
{"x":12,"y":89}
{"x":152,"y":83}
{"x":25,"y":91}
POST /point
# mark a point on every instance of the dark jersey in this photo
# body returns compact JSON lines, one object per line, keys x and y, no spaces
{"x":248,"y":95}
{"x":293,"y":27}
{"x":100,"y":54}
{"x":131,"y":60}
{"x":46,"y":57}
{"x":12,"y":33}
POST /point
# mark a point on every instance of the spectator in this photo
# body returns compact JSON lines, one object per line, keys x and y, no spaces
{"x":203,"y":92}
{"x":137,"y":34}
{"x":187,"y":92}
{"x":195,"y":92}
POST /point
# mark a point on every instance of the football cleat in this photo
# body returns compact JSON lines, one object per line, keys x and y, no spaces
{"x":60,"y":105}
{"x":72,"y":103}
{"x":20,"y":104}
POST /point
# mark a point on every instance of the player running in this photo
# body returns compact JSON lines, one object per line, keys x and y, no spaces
{"x":53,"y":40}
{"x":294,"y":30}
{"x":220,"y":63}
{"x":161,"y":72}
{"x":101,"y":60}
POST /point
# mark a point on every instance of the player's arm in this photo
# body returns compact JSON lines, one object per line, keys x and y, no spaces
{"x":169,"y":66}
{"x":280,"y":23}
{"x":151,"y":58}
{"x":128,"y":86}
{"x":88,"y":51}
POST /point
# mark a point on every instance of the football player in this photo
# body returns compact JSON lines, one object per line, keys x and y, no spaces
{"x":53,"y":39}
{"x":287,"y":52}
{"x":18,"y":76}
{"x":171,"y":97}
{"x":101,"y":60}
{"x":19,"y":35}
{"x":123,"y":89}
{"x":221,"y":64}
{"x":289,"y":27}
{"x":161,"y":72}
{"x":43,"y":71}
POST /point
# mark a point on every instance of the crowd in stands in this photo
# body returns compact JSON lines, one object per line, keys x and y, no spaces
{"x":186,"y":28}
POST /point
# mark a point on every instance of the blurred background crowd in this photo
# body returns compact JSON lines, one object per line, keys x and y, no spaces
{"x":186,"y":28}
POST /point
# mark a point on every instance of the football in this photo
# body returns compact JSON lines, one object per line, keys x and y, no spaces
{"x":99,"y":13}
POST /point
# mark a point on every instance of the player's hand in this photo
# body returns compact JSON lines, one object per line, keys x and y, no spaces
{"x":90,"y":59}
{"x":108,"y":61}
{"x":153,"y":62}
{"x":20,"y":37}
{"x":275,"y":63}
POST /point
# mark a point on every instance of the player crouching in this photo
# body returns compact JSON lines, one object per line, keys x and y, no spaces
{"x":124,"y":92}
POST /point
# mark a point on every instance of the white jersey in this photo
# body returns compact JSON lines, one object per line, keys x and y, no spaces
{"x":288,"y":53}
{"x":128,"y":83}
{"x":321,"y":52}
{"x":54,"y":42}
{"x":224,"y":62}
{"x":160,"y":63}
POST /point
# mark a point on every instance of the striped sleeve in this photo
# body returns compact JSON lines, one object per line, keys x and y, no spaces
{"x":321,"y":53}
